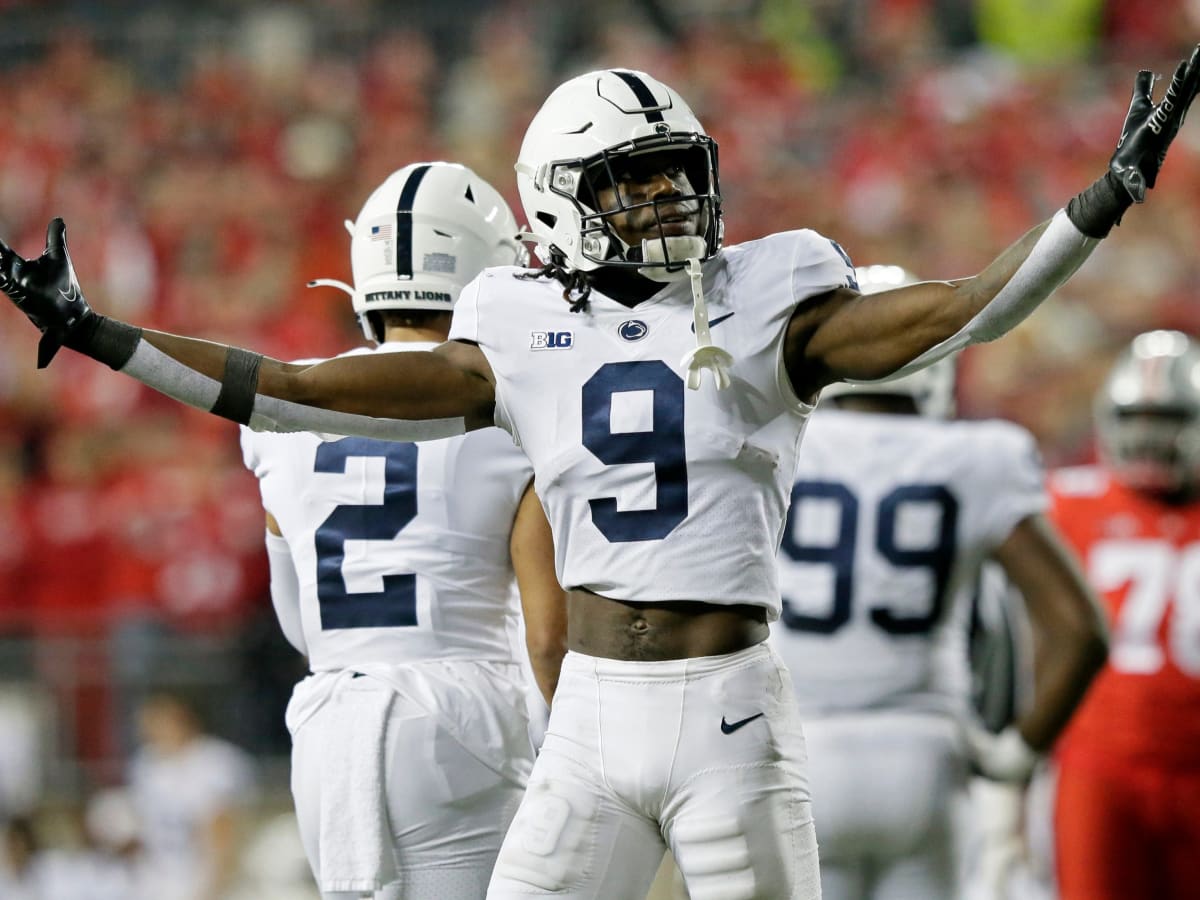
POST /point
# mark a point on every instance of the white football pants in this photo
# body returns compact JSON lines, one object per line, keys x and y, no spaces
{"x":889,"y":799}
{"x":704,"y":755}
{"x":435,"y":812}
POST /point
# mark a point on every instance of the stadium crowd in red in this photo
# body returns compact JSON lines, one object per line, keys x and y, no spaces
{"x":204,"y":201}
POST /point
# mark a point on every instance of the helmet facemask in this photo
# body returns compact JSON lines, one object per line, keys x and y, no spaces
{"x":598,"y":188}
{"x":1154,"y":449}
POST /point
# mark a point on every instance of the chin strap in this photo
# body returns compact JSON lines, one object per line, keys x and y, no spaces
{"x":705,"y":355}
{"x":333,"y":283}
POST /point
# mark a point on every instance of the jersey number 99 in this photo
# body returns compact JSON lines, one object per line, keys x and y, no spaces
{"x":842,"y":555}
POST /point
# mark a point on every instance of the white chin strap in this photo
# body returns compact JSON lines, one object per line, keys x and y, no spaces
{"x":706,"y":355}
{"x":342,"y":286}
{"x":333,"y":283}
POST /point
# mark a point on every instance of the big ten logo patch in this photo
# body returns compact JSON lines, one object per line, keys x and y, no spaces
{"x":551,"y":340}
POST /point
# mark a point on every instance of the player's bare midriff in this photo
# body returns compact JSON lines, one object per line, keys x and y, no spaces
{"x":615,"y":629}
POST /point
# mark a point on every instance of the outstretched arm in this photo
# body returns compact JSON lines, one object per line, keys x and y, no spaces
{"x":399,"y":396}
{"x":451,"y":381}
{"x":846,"y":336}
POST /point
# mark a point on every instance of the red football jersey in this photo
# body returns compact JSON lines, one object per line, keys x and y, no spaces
{"x":1143,"y":558}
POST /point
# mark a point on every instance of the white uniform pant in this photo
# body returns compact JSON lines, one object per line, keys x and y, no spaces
{"x":704,"y":755}
{"x":889,"y":799}
{"x":444,"y":809}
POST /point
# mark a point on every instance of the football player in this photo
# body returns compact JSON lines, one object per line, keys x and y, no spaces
{"x":1127,"y":806}
{"x":391,"y":568}
{"x":666,"y":488}
{"x":894,"y":509}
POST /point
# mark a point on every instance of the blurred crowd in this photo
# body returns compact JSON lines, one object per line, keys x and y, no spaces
{"x":204,"y":156}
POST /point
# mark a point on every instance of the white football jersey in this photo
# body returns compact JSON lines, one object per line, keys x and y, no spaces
{"x":401,"y":549}
{"x":655,"y":492}
{"x":891,"y":519}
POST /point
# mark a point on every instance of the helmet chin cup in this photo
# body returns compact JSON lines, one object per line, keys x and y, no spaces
{"x":670,"y":266}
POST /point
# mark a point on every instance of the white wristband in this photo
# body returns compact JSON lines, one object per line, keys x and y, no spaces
{"x":1058,"y":253}
{"x":156,"y":369}
{"x":273,"y":414}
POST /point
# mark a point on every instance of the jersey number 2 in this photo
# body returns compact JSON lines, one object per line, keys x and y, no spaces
{"x":396,"y":604}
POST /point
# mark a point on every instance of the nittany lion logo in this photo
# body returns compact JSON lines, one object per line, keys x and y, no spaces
{"x":633,"y":329}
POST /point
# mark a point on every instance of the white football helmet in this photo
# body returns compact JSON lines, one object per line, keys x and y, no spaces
{"x":581,"y":140}
{"x":422,"y":235}
{"x":931,"y":388}
{"x":1148,"y":413}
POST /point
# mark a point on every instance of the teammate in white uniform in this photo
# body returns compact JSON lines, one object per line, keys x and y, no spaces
{"x":673,"y":722}
{"x":894,"y":509}
{"x":391,"y":569}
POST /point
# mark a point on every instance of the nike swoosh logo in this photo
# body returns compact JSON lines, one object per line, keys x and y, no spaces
{"x":72,"y":296}
{"x":713,"y":323}
{"x":731,"y":727}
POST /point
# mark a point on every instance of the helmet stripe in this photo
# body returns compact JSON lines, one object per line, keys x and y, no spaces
{"x":404,"y":222}
{"x":643,"y":94}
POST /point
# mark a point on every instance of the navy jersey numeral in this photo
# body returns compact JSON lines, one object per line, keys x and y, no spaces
{"x":851,"y":279}
{"x":396,"y":604}
{"x":938,"y":558}
{"x":662,"y":445}
{"x":839,"y":555}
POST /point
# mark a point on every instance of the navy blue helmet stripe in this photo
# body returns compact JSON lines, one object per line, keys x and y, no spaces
{"x":404,"y":223}
{"x":643,"y":94}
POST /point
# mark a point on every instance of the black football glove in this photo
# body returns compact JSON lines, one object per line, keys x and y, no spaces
{"x":1149,"y":127}
{"x":45,"y":290}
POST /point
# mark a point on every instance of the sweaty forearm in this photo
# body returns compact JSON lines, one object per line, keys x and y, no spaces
{"x":895,"y":332}
{"x":1065,"y":663}
{"x":1013,"y":286}
{"x":1070,"y":638}
{"x":392,"y":396}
